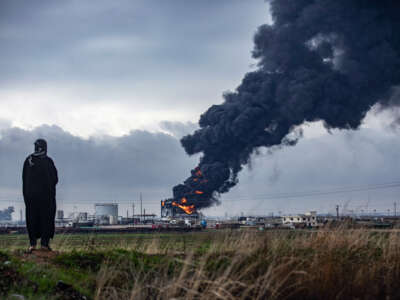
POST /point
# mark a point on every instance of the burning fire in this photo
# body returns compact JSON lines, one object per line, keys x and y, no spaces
{"x":189,"y":209}
{"x":199,"y":178}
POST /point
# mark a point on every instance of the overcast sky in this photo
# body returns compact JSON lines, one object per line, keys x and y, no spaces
{"x":113,"y":85}
{"x":107,"y":67}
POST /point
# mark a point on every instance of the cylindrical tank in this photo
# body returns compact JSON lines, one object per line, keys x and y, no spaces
{"x":106,"y":209}
{"x":113,"y":220}
{"x":60,"y":214}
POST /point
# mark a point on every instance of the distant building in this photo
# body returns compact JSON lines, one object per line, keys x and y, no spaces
{"x":60,"y":214}
{"x":5,"y":214}
{"x":106,"y":209}
{"x":106,"y":213}
{"x":307,"y":219}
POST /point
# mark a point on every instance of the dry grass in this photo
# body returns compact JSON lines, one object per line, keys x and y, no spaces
{"x":340,"y":264}
{"x":325,"y":264}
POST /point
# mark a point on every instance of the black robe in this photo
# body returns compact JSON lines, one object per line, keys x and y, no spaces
{"x":39,"y":179}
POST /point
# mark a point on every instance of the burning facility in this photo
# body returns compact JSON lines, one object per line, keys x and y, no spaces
{"x":193,"y":195}
{"x":170,"y":208}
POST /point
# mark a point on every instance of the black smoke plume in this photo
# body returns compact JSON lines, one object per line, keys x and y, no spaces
{"x":320,"y":60}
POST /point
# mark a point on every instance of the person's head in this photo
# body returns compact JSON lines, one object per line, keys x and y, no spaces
{"x":40,"y":146}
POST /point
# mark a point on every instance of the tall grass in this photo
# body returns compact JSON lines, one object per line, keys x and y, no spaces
{"x":324,"y":264}
{"x":339,"y":264}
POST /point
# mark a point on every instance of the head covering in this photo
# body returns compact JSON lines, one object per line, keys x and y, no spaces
{"x":40,"y":147}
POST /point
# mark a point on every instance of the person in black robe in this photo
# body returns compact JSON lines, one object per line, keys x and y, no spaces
{"x":39,"y":179}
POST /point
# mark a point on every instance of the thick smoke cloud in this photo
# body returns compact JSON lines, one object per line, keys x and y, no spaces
{"x":328,"y":61}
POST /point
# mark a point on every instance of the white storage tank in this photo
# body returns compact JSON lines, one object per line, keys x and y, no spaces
{"x":113,"y":220}
{"x":106,"y":209}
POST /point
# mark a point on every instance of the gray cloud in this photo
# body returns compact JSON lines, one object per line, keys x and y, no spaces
{"x":332,"y":161}
{"x":145,"y":61}
{"x":178,"y":129}
{"x":123,"y":40}
{"x":4,"y":124}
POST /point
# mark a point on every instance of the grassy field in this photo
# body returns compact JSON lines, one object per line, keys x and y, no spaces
{"x":338,"y":264}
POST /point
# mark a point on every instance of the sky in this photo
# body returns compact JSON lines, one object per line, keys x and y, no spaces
{"x":114,"y":85}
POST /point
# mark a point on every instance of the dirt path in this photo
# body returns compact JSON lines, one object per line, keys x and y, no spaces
{"x":38,"y":256}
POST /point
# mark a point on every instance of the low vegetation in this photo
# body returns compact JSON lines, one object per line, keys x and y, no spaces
{"x":338,"y":264}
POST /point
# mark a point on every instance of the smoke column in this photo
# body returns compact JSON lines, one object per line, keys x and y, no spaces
{"x":321,"y":60}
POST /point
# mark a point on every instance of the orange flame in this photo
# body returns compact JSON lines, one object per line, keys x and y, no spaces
{"x":198,"y":173}
{"x":183,"y":200}
{"x":189,"y":209}
{"x":199,"y":192}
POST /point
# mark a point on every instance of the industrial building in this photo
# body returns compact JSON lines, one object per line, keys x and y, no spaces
{"x":169,"y":210}
{"x":106,"y":213}
{"x":308,"y":219}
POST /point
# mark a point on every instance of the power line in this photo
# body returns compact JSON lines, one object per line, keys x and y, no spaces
{"x":322,"y":192}
{"x":315,"y":193}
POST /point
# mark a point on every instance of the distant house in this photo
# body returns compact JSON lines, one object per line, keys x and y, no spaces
{"x":308,"y":219}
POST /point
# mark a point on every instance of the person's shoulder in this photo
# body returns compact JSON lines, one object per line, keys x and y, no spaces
{"x":49,"y":159}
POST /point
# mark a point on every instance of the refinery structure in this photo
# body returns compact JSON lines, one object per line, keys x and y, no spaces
{"x":182,"y":214}
{"x":172,"y":209}
{"x":106,"y":213}
{"x":179,"y":216}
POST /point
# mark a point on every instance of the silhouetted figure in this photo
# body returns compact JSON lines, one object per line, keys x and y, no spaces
{"x":39,"y":179}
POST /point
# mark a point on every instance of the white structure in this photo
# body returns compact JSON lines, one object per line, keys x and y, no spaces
{"x":308,"y":219}
{"x":113,"y":220}
{"x":106,"y":209}
{"x":82,"y":216}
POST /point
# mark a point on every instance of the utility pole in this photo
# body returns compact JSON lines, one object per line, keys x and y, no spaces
{"x":337,"y":212}
{"x":133,"y":210}
{"x":141,"y":206}
{"x":395,"y":204}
